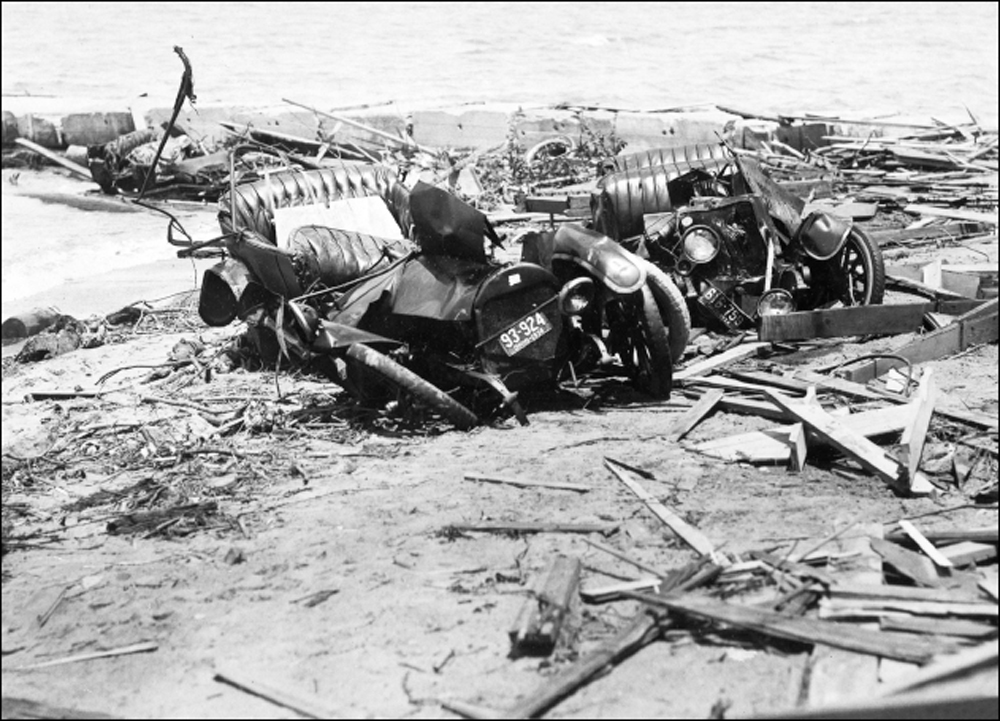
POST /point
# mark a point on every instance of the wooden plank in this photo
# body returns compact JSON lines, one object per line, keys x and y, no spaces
{"x":836,"y":675}
{"x":308,"y":708}
{"x":977,"y":326}
{"x":966,"y":284}
{"x":937,"y":626}
{"x":968,"y":552}
{"x":730,"y":356}
{"x":844,"y":439}
{"x":694,"y":415}
{"x":853,"y":589}
{"x":686,"y":532}
{"x":645,"y":626}
{"x":144,"y":647}
{"x":915,"y":566}
{"x":841,"y":322}
{"x":532,"y":527}
{"x":774,"y":444}
{"x":924,"y":545}
{"x":539,"y":622}
{"x":915,"y":433}
{"x":877,"y":607}
{"x":797,"y":446}
{"x":803,"y":630}
{"x":745,"y":406}
{"x":526,"y":483}
{"x":987,"y":534}
{"x":955,"y":213}
{"x":610,"y":592}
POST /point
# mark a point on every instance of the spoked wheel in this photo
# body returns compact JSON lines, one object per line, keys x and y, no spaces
{"x":643,"y":344}
{"x":855,"y":276}
{"x":410,"y":383}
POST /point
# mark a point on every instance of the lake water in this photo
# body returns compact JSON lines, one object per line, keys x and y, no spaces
{"x":925,"y":59}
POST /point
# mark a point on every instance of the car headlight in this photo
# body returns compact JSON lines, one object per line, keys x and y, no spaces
{"x":576,"y":296}
{"x":776,"y":301}
{"x":700,"y":244}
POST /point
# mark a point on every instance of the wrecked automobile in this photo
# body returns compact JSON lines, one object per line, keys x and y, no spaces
{"x":418,"y":314}
{"x":736,"y":243}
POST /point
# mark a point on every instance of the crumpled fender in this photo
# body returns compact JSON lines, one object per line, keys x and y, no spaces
{"x":228,"y":291}
{"x":333,"y":336}
{"x":602,"y":257}
{"x":822,"y":235}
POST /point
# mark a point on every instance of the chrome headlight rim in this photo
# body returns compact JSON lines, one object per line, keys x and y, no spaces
{"x":576,"y":296}
{"x":695,"y":253}
{"x":776,"y":301}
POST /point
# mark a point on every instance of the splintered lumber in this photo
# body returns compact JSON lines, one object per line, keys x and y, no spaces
{"x":955,"y":213}
{"x":540,"y":527}
{"x":612,"y":591}
{"x":840,"y":322}
{"x":731,"y":355}
{"x":694,"y":415}
{"x":645,"y":627}
{"x":937,"y":626}
{"x":854,"y":389}
{"x":686,"y":532}
{"x":915,"y":566}
{"x":851,"y":589}
{"x":536,"y":630}
{"x":926,"y":546}
{"x":844,"y":439}
{"x":915,"y":433}
{"x":526,"y":483}
{"x":968,"y":552}
{"x":276,"y":696}
{"x":774,"y":445}
{"x":788,"y":384}
{"x":989,"y":534}
{"x":803,"y":630}
{"x":836,"y":674}
{"x":144,"y":647}
{"x":876,"y":608}
{"x":972,"y":328}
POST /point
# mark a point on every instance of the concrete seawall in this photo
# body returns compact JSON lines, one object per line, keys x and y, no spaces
{"x":59,"y":123}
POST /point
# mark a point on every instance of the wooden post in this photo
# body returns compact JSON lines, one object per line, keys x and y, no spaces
{"x":536,"y":630}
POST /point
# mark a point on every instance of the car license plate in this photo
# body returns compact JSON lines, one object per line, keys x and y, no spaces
{"x":724,"y":309}
{"x":523,"y":333}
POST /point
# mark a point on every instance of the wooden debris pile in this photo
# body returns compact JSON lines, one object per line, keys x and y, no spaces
{"x":887,"y":606}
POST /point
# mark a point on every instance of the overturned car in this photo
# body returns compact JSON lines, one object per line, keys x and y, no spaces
{"x":735,"y":242}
